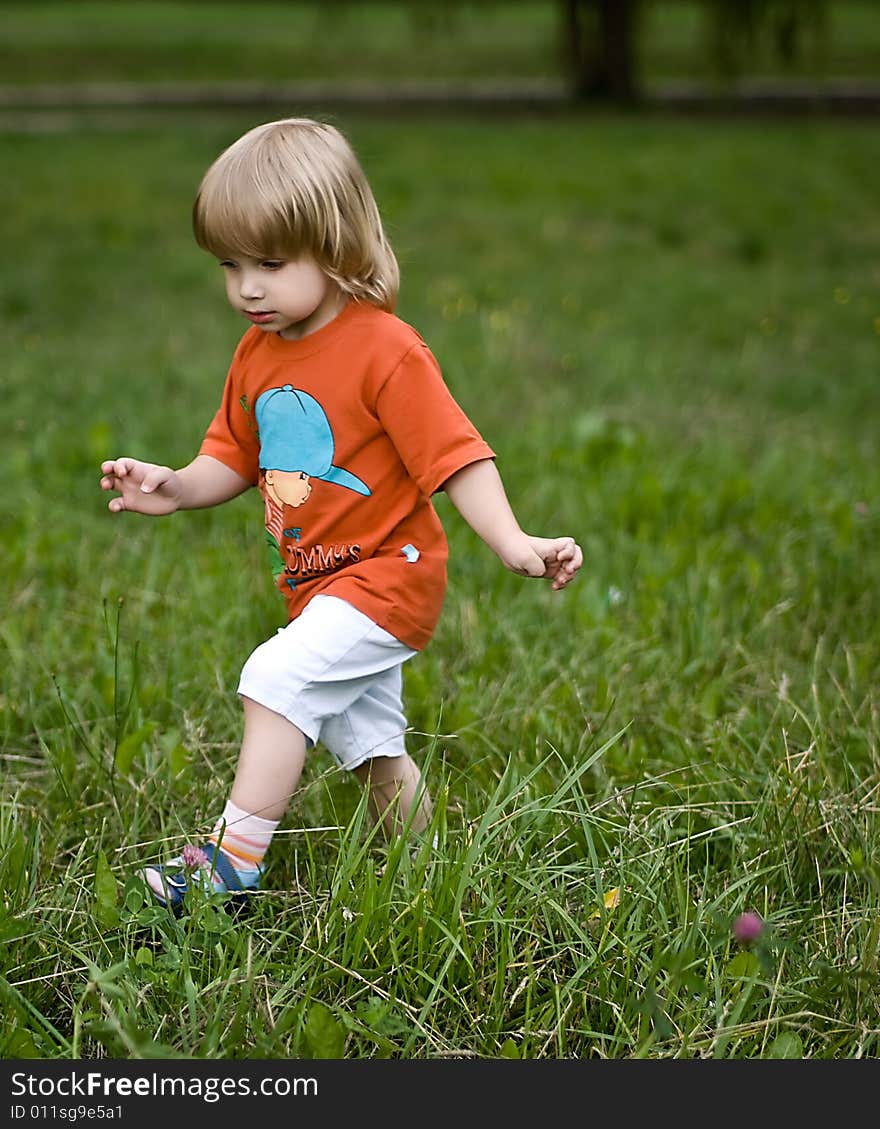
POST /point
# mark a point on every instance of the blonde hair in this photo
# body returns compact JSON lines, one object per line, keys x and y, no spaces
{"x":296,"y":187}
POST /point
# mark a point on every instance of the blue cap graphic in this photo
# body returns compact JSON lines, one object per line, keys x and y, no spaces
{"x":295,"y":434}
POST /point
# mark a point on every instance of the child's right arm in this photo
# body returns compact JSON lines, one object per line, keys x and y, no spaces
{"x":147,"y":488}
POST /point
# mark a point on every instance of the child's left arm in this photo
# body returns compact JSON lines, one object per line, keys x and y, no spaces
{"x":478,"y":494}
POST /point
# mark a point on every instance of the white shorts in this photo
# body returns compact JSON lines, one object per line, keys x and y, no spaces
{"x":335,"y":675}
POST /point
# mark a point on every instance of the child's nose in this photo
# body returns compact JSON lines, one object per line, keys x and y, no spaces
{"x":251,"y":285}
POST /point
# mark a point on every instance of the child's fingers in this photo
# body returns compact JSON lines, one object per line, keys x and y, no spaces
{"x":570,"y":554}
{"x":569,"y":558}
{"x":112,"y":471}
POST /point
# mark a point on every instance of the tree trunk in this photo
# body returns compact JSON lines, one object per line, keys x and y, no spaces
{"x":599,"y":38}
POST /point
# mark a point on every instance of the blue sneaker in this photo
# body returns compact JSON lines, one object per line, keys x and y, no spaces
{"x":205,"y":867}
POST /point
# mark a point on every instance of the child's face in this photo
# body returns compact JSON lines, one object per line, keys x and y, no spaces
{"x":291,"y":297}
{"x":290,"y":488}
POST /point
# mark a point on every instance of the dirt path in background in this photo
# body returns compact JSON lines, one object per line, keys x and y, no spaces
{"x":46,"y":107}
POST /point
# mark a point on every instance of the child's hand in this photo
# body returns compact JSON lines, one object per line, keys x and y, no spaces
{"x":477,"y":492}
{"x":144,"y":488}
{"x":552,"y":558}
{"x":562,"y":557}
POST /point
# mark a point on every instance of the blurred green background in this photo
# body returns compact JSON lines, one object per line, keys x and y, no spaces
{"x":387,"y":40}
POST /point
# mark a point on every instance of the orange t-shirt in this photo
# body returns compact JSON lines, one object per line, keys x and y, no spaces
{"x":348,"y":432}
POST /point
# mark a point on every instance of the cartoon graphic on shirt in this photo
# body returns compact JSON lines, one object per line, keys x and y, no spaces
{"x":296,"y":445}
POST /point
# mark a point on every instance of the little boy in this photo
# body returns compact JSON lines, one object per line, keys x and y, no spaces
{"x":337,"y":411}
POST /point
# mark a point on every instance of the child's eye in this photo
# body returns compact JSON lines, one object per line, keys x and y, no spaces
{"x":227,"y":264}
{"x":272,"y":264}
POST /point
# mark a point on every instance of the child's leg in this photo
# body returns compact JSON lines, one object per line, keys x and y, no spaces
{"x":270,"y":764}
{"x":269,"y":768}
{"x":397,"y":793}
{"x":298,"y":683}
{"x":369,"y":739}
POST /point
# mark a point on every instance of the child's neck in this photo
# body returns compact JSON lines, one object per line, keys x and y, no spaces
{"x":330,"y":307}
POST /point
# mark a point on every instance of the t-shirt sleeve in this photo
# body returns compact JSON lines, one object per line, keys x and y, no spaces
{"x":232,"y":434}
{"x":429,"y":429}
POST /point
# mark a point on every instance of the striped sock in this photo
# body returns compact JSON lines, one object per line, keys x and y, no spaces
{"x":243,"y":839}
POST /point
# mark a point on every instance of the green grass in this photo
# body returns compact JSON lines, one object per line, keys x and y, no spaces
{"x":670,"y":332}
{"x":280,"y":40}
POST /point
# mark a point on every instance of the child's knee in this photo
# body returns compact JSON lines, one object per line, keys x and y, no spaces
{"x":381,"y":771}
